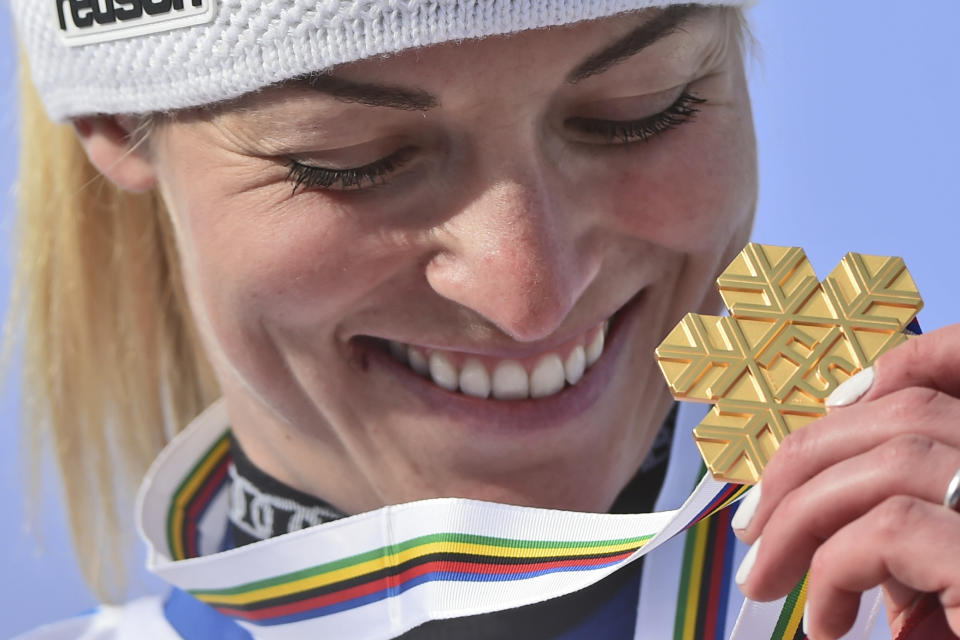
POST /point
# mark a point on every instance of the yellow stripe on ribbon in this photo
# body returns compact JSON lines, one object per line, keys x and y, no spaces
{"x":796,"y":616}
{"x":700,"y":533}
{"x":188,"y":491}
{"x":396,"y":559}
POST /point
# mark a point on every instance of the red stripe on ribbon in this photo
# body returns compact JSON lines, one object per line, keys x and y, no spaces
{"x":716,"y":573}
{"x":394,"y":581}
{"x":199,"y":503}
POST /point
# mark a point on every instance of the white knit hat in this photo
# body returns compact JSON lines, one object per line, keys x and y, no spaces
{"x":133,"y":56}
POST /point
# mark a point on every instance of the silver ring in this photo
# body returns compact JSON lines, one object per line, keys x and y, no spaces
{"x":952,"y":497}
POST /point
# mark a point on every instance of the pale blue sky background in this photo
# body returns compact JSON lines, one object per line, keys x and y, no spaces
{"x":856,"y":105}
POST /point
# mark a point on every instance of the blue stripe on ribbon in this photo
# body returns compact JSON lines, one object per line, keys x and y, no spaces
{"x":446,"y":576}
{"x":195,"y":620}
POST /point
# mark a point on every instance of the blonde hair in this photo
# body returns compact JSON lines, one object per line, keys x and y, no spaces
{"x":112,"y":363}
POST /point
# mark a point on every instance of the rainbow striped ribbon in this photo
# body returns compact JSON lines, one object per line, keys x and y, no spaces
{"x":193,"y":498}
{"x":705,"y":580}
{"x":790,"y":623}
{"x":379,"y":574}
{"x":708,"y":564}
{"x":373,"y":575}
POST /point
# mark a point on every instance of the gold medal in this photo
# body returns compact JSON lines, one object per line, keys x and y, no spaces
{"x":790,"y":340}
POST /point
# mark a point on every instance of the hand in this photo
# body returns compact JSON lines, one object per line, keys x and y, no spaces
{"x":856,"y":497}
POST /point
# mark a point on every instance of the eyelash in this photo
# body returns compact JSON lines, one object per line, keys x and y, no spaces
{"x":680,"y":112}
{"x":685,"y":109}
{"x":309,"y":177}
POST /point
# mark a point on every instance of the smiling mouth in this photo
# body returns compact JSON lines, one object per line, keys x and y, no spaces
{"x":537,"y":376}
{"x":540,"y":376}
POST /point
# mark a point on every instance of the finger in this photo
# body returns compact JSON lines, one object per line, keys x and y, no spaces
{"x":898,"y":601}
{"x":842,"y":493}
{"x":846,"y":434}
{"x":906,"y":539}
{"x":931,"y":360}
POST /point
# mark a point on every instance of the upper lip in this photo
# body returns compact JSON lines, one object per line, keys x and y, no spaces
{"x":501,"y":346}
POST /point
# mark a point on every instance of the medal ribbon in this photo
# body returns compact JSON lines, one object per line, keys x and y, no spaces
{"x":379,"y":574}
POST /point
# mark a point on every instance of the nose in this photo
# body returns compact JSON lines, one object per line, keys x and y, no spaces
{"x":514,"y":257}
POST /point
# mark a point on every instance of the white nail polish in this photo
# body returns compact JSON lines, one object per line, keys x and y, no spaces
{"x":743,"y":573}
{"x":806,"y":614}
{"x":851,"y":390}
{"x":748,"y":506}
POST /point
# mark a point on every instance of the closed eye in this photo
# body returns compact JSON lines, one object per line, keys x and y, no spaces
{"x":304,"y":176}
{"x":682,"y":111}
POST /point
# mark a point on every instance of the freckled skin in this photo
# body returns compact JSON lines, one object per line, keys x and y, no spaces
{"x":504,"y":229}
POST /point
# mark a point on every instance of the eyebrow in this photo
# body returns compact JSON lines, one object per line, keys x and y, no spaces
{"x":373,"y":95}
{"x":663,"y":24}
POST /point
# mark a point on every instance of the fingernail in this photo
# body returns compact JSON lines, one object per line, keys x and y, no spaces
{"x":806,"y":614}
{"x":851,"y":390}
{"x":743,"y":573}
{"x":748,"y":506}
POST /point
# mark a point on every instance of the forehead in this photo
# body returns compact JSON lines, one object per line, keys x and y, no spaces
{"x":657,"y":43}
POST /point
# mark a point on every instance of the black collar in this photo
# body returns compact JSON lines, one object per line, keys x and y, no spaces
{"x":262,"y":507}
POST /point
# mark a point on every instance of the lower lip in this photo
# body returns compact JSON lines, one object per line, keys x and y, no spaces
{"x":513,"y":415}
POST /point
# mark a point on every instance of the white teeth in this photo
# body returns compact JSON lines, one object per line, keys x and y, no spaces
{"x":595,"y":349}
{"x":548,"y":377}
{"x":399,"y":351}
{"x":442,"y":372}
{"x":575,"y":365}
{"x":418,"y":361}
{"x":510,"y":381}
{"x":474,"y":379}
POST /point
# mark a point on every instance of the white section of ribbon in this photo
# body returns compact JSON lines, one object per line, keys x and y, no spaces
{"x":660,"y":587}
{"x":393,"y":525}
{"x":386,"y":528}
{"x":435,"y":599}
{"x":759,"y":618}
{"x":660,"y":584}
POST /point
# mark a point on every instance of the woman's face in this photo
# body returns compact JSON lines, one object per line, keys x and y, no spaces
{"x":488,"y":207}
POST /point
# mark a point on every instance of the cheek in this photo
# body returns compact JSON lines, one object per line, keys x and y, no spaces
{"x":694,"y":194}
{"x":264,"y":264}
